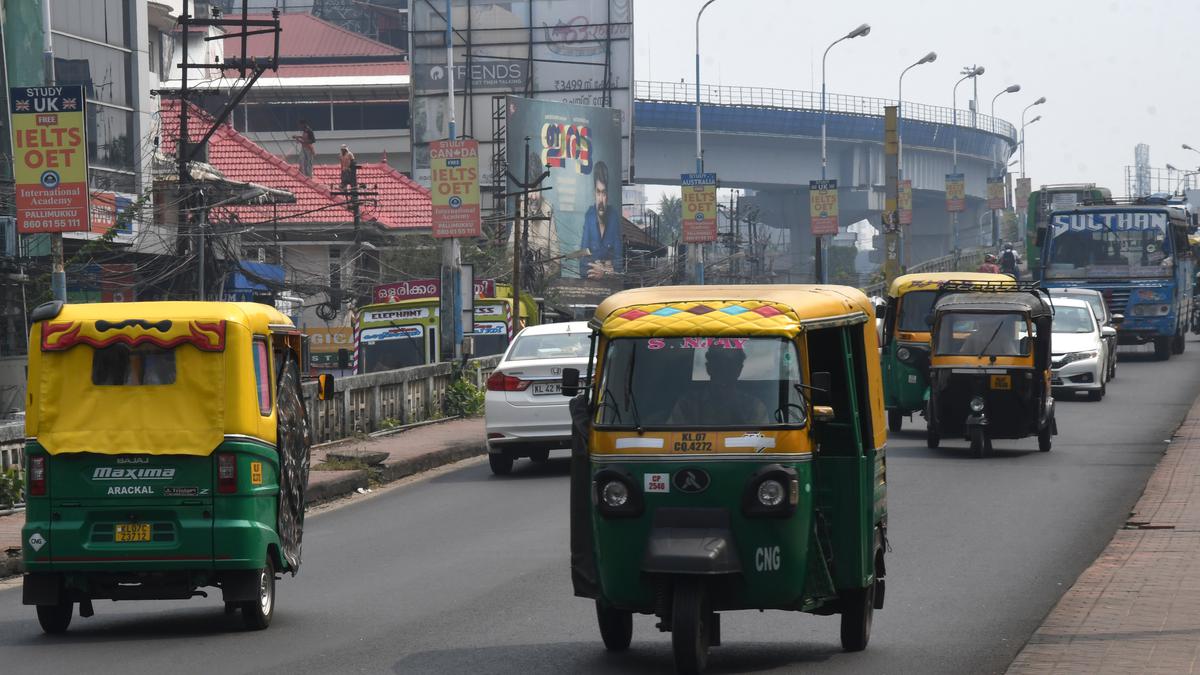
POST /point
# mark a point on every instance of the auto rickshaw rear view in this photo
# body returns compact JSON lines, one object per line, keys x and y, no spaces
{"x":729,"y":455}
{"x":168,"y":450}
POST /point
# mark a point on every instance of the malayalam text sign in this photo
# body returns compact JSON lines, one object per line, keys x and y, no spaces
{"x":425,"y":288}
{"x":823,"y":206}
{"x":905,"y":199}
{"x":995,"y":193}
{"x":454,"y":191}
{"x":699,"y":207}
{"x":49,"y":159}
{"x":956,"y":192}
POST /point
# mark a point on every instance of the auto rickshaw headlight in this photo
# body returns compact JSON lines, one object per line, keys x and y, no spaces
{"x":904,"y":354}
{"x":770,"y":493}
{"x":614,"y":494}
{"x":977,"y":404}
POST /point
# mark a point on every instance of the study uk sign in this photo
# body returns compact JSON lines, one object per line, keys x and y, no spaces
{"x":50,"y":159}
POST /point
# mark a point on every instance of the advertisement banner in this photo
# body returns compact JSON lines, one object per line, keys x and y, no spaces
{"x":117,"y":283}
{"x":1024,"y":188}
{"x":425,"y":288}
{"x":581,"y":147}
{"x":995,"y":193}
{"x":49,"y":159}
{"x":823,"y":206}
{"x":956,"y":192}
{"x":905,"y":199}
{"x":699,"y":217}
{"x":455,"y":188}
{"x":328,"y":340}
{"x":108,"y":209}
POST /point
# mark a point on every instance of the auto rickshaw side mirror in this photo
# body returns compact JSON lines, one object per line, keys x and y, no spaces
{"x":1118,"y":319}
{"x":823,"y":413}
{"x":821,"y":384}
{"x":570,"y":382}
{"x":324,"y":386}
{"x":1108,"y":331}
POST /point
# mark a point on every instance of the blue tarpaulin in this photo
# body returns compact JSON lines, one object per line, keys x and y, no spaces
{"x":244,"y":283}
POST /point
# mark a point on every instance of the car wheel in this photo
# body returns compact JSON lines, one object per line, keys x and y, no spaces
{"x":1097,"y":394}
{"x":540,"y":456}
{"x":500,"y":462}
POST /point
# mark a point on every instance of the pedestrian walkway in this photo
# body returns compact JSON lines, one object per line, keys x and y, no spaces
{"x":408,"y":452}
{"x":1137,"y":608}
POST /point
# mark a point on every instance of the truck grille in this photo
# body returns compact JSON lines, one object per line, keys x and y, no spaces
{"x":1117,"y":299}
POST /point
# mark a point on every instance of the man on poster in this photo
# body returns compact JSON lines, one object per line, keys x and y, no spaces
{"x":601,"y":232}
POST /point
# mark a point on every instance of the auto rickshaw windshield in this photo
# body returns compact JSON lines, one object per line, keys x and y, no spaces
{"x":983,"y":334}
{"x":915,"y":307}
{"x":701,"y":382}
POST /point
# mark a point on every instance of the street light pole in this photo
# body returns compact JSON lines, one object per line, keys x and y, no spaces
{"x":1010,"y":89}
{"x":1023,"y":125}
{"x":698,"y":249}
{"x":969,"y":73}
{"x":820,"y":256}
{"x":928,"y":58}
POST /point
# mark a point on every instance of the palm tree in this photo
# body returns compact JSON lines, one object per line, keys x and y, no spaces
{"x":670,"y":211}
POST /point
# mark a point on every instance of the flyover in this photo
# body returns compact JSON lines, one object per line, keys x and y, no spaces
{"x":769,"y":140}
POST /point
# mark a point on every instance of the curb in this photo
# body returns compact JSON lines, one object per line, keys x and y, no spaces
{"x":402,"y":468}
{"x":336,"y":487}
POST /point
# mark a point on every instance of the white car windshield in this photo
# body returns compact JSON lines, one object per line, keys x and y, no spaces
{"x":1069,"y":319}
{"x":550,"y":346}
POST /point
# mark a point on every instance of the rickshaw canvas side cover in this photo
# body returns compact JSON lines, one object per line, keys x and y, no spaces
{"x":74,"y":415}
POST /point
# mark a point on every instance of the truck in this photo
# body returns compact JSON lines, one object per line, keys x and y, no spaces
{"x":1137,"y":254}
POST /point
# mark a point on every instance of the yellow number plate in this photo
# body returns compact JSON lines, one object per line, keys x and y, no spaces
{"x":1001,"y":382}
{"x":132,"y":532}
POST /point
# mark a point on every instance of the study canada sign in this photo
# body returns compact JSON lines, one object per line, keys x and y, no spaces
{"x":455,"y":188}
{"x":49,"y":159}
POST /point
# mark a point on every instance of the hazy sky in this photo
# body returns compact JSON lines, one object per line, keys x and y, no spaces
{"x":1115,"y":73}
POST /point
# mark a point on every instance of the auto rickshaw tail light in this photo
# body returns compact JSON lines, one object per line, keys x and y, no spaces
{"x":37,"y":476}
{"x":226,"y":473}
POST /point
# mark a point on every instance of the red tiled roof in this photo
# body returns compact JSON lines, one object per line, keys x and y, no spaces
{"x":337,"y":70}
{"x":402,"y":204}
{"x":306,"y":35}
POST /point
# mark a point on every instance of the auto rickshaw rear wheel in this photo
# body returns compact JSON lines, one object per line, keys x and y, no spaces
{"x":616,"y":627}
{"x":1044,"y":437}
{"x":689,"y":626}
{"x":257,"y":614}
{"x":858,"y":610}
{"x":895,"y":420}
{"x":55,"y":618}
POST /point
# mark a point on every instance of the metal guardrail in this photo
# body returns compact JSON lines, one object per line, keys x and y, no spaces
{"x":962,"y":261}
{"x":794,"y":99}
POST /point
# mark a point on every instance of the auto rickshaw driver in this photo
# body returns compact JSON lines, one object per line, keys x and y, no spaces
{"x":720,"y":401}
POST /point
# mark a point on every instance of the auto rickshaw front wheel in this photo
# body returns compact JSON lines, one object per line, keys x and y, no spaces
{"x":980,"y":443}
{"x":616,"y":627}
{"x":858,"y":610}
{"x":257,"y":614}
{"x":55,"y":618}
{"x":690,"y":618}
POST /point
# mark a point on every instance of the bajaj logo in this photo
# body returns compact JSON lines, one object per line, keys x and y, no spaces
{"x":109,"y":473}
{"x":690,"y":480}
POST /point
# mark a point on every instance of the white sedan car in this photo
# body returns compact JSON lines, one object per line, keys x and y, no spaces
{"x":525,"y":412}
{"x":1079,"y":360}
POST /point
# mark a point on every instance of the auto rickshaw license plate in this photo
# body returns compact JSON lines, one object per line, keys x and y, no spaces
{"x":1001,"y":382}
{"x":128,"y":532}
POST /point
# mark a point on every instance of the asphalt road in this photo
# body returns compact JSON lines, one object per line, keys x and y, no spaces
{"x":464,"y":572}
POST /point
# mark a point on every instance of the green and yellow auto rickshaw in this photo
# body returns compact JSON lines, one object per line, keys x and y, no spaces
{"x":991,"y":368}
{"x":906,"y":332}
{"x":729,"y":455}
{"x":168,"y":450}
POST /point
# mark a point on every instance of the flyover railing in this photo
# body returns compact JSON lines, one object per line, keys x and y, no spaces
{"x":967,"y":260}
{"x":795,"y":99}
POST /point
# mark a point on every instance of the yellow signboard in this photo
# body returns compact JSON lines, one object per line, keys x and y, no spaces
{"x":699,"y":207}
{"x":49,"y":159}
{"x":956,"y":192}
{"x":995,"y":193}
{"x":823,"y":206}
{"x":454,"y":192}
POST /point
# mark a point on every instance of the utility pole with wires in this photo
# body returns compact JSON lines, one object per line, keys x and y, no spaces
{"x":248,"y":68}
{"x":354,"y":198}
{"x":521,"y":223}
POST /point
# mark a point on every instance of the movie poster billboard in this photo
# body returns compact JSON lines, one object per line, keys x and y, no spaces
{"x":571,"y":51}
{"x":582,"y":209}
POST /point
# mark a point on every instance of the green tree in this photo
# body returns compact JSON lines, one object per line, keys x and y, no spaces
{"x":670,"y":211}
{"x":841,"y":265}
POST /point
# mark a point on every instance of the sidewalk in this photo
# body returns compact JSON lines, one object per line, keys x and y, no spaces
{"x":408,"y":452}
{"x":1137,"y":608}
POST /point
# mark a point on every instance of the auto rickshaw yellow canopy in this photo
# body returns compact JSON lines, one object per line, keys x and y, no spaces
{"x":925,"y":281}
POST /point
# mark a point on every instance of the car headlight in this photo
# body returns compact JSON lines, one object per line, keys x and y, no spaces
{"x":615,"y":494}
{"x":977,"y":404}
{"x":904,"y":354}
{"x":770,"y":493}
{"x":1079,"y":356}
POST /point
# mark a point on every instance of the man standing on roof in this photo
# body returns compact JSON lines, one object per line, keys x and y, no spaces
{"x":307,"y":140}
{"x":349,"y":169}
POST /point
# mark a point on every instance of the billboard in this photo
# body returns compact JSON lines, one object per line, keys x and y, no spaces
{"x":823,"y":206}
{"x":570,"y":51}
{"x":49,"y":159}
{"x":905,"y":199}
{"x":1024,"y":187}
{"x":956,"y":193}
{"x":995,"y":193}
{"x":699,"y":216}
{"x":425,"y":288}
{"x":454,"y":193}
{"x":581,"y":145}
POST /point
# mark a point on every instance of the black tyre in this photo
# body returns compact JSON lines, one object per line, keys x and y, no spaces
{"x":55,"y":618}
{"x":979,"y":442}
{"x":858,"y":610}
{"x":1178,"y":343}
{"x":895,"y":420}
{"x":1045,"y":437}
{"x":932,"y":439}
{"x":616,"y":627}
{"x":689,"y":627}
{"x":257,"y":614}
{"x":500,"y":462}
{"x":294,"y":441}
{"x":1162,"y":348}
{"x":540,"y":456}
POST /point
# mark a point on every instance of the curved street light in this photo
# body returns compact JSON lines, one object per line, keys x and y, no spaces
{"x":1010,"y":89}
{"x":698,"y":249}
{"x":1040,"y":101}
{"x":928,"y":58}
